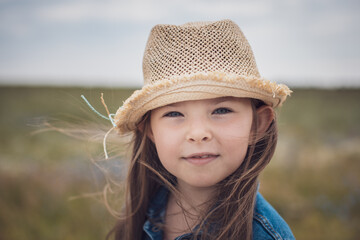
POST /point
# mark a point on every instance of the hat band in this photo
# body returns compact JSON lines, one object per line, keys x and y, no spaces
{"x":197,"y":90}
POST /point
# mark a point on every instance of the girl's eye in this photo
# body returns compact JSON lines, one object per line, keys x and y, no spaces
{"x":222,"y":111}
{"x":173,"y":114}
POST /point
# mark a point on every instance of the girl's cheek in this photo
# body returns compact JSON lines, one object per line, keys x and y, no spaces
{"x":235,"y":127}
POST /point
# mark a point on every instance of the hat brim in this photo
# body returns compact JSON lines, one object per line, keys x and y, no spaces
{"x":196,"y":87}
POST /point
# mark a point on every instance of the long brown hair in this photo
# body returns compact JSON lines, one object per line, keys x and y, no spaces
{"x":229,"y":215}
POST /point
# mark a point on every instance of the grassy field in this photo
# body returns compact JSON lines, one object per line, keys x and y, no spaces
{"x":313,"y":180}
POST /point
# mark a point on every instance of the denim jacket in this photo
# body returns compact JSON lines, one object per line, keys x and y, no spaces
{"x":267,"y":223}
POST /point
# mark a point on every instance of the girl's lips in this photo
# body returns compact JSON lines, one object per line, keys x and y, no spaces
{"x":201,"y":158}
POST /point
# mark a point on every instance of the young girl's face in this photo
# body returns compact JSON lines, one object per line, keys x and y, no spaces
{"x":201,"y":142}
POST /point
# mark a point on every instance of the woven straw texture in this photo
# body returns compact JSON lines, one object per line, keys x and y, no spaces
{"x":197,"y":47}
{"x":194,"y":61}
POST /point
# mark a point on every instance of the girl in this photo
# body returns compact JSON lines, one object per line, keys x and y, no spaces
{"x":203,"y":129}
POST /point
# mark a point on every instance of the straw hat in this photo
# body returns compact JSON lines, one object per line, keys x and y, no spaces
{"x":198,"y":60}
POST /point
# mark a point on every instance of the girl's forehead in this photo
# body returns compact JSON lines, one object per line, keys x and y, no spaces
{"x":210,"y":101}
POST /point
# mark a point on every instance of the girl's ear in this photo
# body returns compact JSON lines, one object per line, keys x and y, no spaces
{"x":144,"y":127}
{"x":265,"y":115}
{"x":150,"y":134}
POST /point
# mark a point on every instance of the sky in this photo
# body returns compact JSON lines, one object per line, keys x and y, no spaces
{"x":101,"y":43}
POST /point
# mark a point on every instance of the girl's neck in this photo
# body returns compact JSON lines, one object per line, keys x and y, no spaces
{"x":191,"y":203}
{"x":184,"y":213}
{"x":194,"y":196}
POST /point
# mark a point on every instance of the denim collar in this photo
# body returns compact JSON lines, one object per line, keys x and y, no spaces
{"x":156,"y":214}
{"x":267,"y":223}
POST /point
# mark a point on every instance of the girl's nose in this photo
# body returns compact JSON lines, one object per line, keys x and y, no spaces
{"x":199,"y":131}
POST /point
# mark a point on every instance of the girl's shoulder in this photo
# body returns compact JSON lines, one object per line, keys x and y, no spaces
{"x":267,"y":223}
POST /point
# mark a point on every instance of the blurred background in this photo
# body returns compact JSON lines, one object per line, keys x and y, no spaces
{"x":51,"y":52}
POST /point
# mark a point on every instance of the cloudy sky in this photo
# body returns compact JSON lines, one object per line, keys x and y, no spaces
{"x":100,"y":43}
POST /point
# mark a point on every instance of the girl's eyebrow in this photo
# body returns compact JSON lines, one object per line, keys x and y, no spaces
{"x":217,"y":101}
{"x":222,"y":99}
